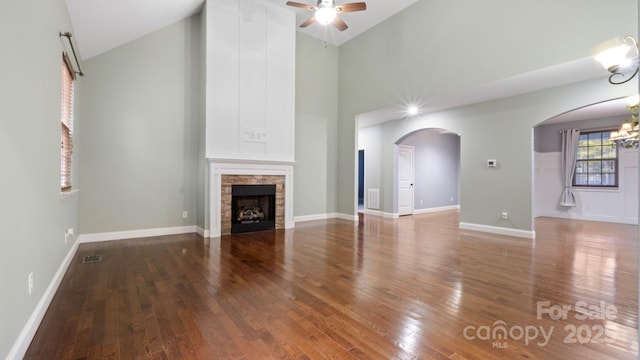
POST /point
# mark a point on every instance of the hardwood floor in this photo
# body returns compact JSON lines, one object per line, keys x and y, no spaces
{"x":416,"y":287}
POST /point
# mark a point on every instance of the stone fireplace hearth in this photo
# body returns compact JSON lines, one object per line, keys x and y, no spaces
{"x":227,"y":212}
{"x":224,"y":174}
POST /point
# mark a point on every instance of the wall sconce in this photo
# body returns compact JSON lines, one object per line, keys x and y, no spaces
{"x":621,"y":61}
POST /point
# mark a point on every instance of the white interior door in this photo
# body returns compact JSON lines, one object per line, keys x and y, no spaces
{"x":405,"y":179}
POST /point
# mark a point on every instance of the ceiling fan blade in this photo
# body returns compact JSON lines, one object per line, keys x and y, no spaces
{"x":302,"y":6}
{"x":351,"y":7}
{"x":341,"y":25}
{"x":309,"y":21}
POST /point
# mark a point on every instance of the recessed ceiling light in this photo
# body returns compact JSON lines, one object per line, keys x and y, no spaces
{"x":412,"y":110}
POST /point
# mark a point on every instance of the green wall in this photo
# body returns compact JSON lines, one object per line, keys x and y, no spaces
{"x":138,"y":158}
{"x":316,"y":126}
{"x":437,"y":47}
{"x":501,"y":130}
{"x":141,"y":112}
{"x":34,"y":216}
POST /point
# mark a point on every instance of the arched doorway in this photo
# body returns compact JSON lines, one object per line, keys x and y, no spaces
{"x":436,"y":171}
{"x":615,"y":201}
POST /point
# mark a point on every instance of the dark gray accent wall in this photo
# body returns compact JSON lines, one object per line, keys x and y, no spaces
{"x":437,"y":168}
{"x":547,"y":137}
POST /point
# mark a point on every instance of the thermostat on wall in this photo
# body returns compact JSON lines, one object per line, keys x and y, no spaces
{"x":492,"y":163}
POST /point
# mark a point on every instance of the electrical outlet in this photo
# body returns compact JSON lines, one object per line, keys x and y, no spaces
{"x":68,"y":235}
{"x":505,"y":216}
{"x":30,"y":282}
{"x":420,"y":201}
{"x":451,"y":199}
{"x":185,"y":214}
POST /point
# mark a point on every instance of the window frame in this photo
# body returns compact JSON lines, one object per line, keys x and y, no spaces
{"x":68,"y":77}
{"x":615,"y":173}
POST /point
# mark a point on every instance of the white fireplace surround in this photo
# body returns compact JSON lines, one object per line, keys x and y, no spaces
{"x":219,"y":167}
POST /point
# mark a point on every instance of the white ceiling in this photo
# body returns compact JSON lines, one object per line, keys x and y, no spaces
{"x":101,"y":25}
{"x":557,"y":75}
{"x":611,"y":108}
{"x":358,"y":22}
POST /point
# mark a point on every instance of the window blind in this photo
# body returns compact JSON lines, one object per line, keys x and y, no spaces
{"x":66,"y":122}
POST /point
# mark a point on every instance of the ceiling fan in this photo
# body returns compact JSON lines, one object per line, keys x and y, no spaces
{"x":326,"y":12}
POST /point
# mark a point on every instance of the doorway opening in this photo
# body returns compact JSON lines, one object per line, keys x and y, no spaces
{"x":360,"y":180}
{"x":427,"y":172}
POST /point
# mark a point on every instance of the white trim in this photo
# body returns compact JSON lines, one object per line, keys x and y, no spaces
{"x":348,"y":217}
{"x":499,"y":230}
{"x":219,"y":167}
{"x":20,"y":346}
{"x":202,"y":232}
{"x":385,"y":215}
{"x":566,"y":215}
{"x":69,"y":193}
{"x":131,"y":234}
{"x":327,"y":216}
{"x":244,"y":161}
{"x":303,"y":218}
{"x":435,"y":209}
{"x":373,"y":212}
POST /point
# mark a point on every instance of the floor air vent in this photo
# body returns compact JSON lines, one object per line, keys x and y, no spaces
{"x":92,"y":258}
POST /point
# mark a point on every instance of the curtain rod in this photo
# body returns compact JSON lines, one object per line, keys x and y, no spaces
{"x":583,"y":131}
{"x":68,"y":36}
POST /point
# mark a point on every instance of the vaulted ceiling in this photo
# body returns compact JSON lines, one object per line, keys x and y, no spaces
{"x":101,"y":25}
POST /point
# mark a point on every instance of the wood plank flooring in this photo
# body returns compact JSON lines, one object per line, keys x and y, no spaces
{"x":412,"y":288}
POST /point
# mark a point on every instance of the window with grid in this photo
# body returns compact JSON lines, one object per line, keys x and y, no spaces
{"x":597,"y":160}
{"x":66,"y":123}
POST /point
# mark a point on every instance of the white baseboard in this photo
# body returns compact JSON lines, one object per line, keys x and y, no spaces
{"x":373,"y":212}
{"x":131,"y":234}
{"x":436,"y":209}
{"x":389,"y":215}
{"x":381,"y":213}
{"x":202,"y":232}
{"x":566,"y":215}
{"x":20,"y":346}
{"x":303,"y":218}
{"x":499,"y":230}
{"x":348,"y":217}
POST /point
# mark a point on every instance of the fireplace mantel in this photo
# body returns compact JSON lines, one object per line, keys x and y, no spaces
{"x":225,"y":166}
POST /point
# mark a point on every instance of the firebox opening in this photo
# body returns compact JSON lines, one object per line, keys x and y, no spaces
{"x":253,"y":208}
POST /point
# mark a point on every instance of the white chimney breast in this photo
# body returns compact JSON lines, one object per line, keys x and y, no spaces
{"x":250,"y":83}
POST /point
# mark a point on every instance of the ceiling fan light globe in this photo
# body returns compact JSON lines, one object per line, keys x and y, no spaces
{"x":325,"y":15}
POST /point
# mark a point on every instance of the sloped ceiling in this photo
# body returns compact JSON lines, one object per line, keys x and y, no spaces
{"x":101,"y":25}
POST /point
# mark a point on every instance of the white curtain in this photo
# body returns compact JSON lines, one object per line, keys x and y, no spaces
{"x":570,"y":138}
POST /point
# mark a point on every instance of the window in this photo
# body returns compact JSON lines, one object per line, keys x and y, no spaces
{"x":597,"y":160}
{"x":66,"y":122}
